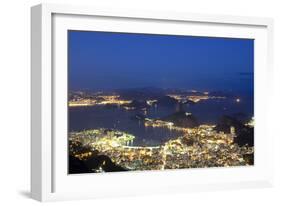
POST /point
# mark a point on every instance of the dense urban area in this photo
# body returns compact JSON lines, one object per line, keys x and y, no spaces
{"x":225,"y":144}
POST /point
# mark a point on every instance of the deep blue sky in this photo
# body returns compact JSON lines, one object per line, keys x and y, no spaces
{"x":104,"y":60}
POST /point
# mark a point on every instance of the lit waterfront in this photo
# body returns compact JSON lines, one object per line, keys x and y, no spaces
{"x":101,"y":99}
{"x":128,"y":134}
{"x":197,"y":148}
{"x":97,"y":100}
{"x":194,"y":98}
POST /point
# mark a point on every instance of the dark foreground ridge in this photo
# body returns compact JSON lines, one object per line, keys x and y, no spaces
{"x":93,"y":165}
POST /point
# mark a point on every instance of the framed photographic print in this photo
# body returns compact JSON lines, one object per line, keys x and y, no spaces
{"x":137,"y":102}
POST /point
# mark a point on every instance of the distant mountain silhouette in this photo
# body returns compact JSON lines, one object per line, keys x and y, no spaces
{"x":182,"y":119}
{"x":144,"y":93}
{"x":221,"y":93}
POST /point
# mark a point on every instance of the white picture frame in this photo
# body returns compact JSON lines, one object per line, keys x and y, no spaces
{"x":49,"y":178}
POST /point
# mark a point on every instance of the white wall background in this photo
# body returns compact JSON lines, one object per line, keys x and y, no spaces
{"x":15,"y":100}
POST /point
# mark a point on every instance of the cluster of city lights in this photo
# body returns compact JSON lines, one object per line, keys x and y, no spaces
{"x":98,"y":100}
{"x":81,"y":99}
{"x":194,"y":98}
{"x":197,"y":147}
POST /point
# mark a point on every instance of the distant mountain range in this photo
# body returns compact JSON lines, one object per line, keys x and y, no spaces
{"x":148,"y":92}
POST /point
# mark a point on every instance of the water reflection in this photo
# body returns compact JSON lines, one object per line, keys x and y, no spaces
{"x":83,"y":118}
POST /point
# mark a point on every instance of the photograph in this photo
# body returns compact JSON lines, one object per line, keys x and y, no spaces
{"x":149,"y":102}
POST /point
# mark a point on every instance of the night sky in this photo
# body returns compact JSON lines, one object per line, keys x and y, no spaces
{"x":105,"y":60}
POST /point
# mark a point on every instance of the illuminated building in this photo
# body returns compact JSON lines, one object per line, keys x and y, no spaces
{"x":232,"y":130}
